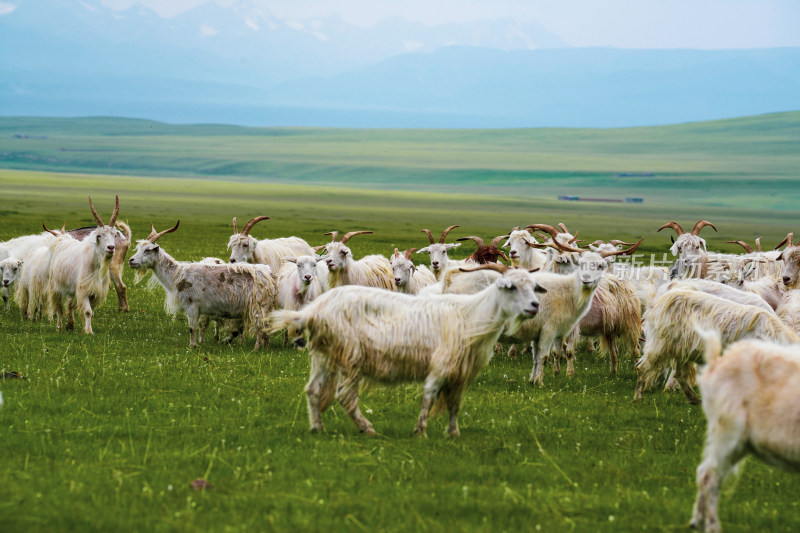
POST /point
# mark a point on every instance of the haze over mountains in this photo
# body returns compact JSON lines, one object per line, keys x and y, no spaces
{"x":242,"y":64}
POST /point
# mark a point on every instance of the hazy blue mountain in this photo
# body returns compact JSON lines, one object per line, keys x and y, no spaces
{"x":244,"y":65}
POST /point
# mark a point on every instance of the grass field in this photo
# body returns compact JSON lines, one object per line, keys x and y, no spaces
{"x":108,"y":431}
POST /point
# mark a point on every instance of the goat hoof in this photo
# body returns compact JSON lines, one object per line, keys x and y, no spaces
{"x":368,"y":431}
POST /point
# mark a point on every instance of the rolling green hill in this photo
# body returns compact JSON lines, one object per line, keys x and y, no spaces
{"x":751,"y":162}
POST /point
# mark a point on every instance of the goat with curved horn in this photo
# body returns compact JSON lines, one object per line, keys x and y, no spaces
{"x":629,"y":251}
{"x":675,"y":226}
{"x":477,"y":240}
{"x":445,"y":232}
{"x":62,"y":231}
{"x":155,"y":235}
{"x":700,"y":225}
{"x":787,"y":241}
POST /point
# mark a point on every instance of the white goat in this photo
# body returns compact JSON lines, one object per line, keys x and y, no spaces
{"x":409,"y":278}
{"x":721,"y":290}
{"x":243,"y":291}
{"x":440,"y":262}
{"x":78,"y":277}
{"x":298,"y":283}
{"x":445,"y":341}
{"x":693,"y":260}
{"x":369,"y":271}
{"x":9,"y":272}
{"x":671,"y":339}
{"x":752,"y":404}
{"x":246,"y":249}
{"x":521,"y":251}
{"x":791,"y":267}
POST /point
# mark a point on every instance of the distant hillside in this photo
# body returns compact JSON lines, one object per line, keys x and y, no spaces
{"x":744,"y":162}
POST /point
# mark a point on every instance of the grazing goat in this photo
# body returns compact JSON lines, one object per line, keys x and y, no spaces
{"x":78,"y":276}
{"x":298,"y":283}
{"x":673,"y":342}
{"x":752,"y":404}
{"x":445,"y":341}
{"x":409,"y":278}
{"x":229,"y":291}
{"x":369,"y":271}
{"x":438,"y":252}
{"x":521,"y":251}
{"x":9,"y":272}
{"x":246,"y":249}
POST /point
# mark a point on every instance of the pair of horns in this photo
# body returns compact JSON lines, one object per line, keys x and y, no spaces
{"x":154,"y":235}
{"x":99,"y":220}
{"x":62,"y":231}
{"x":553,"y":231}
{"x":346,"y":237}
{"x":247,"y":227}
{"x":443,"y":237}
{"x":406,"y":254}
{"x":480,"y":242}
{"x":747,"y":247}
{"x":695,"y":230}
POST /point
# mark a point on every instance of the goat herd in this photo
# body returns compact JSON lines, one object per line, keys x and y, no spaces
{"x":391,"y":320}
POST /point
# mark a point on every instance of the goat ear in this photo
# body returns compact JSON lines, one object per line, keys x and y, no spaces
{"x":291,"y":259}
{"x":425,"y":250}
{"x":780,"y":257}
{"x":452,"y":245}
{"x":320,"y":258}
{"x":156,"y":248}
{"x":674,"y":249}
{"x":540,"y":289}
{"x":507,"y":244}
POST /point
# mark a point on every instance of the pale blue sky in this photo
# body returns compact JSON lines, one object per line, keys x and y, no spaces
{"x":706,"y":24}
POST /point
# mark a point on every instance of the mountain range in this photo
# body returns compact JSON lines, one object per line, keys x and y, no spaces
{"x":242,"y":64}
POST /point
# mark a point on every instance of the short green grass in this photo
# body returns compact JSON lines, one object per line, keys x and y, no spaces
{"x":107,"y":432}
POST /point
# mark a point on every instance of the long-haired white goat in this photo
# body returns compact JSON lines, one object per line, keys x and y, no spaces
{"x":243,"y":291}
{"x":672,"y":341}
{"x":751,"y":399}
{"x":369,"y":271}
{"x":79,"y":272}
{"x":444,"y":341}
{"x":298,"y":283}
{"x":409,"y":278}
{"x":440,"y":262}
{"x":9,"y":272}
{"x":246,"y":249}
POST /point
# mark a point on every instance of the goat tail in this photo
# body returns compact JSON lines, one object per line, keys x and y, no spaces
{"x":713,"y":344}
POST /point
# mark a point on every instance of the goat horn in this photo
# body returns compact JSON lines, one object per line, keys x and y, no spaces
{"x":430,"y":236}
{"x":153,"y":237}
{"x":235,"y":230}
{"x":541,"y":236}
{"x":115,"y":213}
{"x":541,"y":245}
{"x":616,"y":242}
{"x":504,"y":256}
{"x":545,"y":227}
{"x":396,"y":253}
{"x":623,"y":252}
{"x":477,"y":240}
{"x":575,"y":238}
{"x":567,"y":247}
{"x":563,"y":227}
{"x":347,"y":236}
{"x":700,"y":225}
{"x":747,"y":247}
{"x":318,"y":248}
{"x":407,"y":253}
{"x":674,"y":225}
{"x":497,"y":267}
{"x":787,"y":240}
{"x":497,"y":240}
{"x":515,"y":228}
{"x":758,"y":244}
{"x":598,"y":242}
{"x":333,"y":235}
{"x":444,"y":234}
{"x":51,"y":232}
{"x":94,"y":212}
{"x":253,"y":221}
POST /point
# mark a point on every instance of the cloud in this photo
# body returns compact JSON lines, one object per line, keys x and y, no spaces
{"x":207,"y":30}
{"x":6,"y":8}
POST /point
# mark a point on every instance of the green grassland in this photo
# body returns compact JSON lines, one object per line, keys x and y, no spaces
{"x":109,"y":430}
